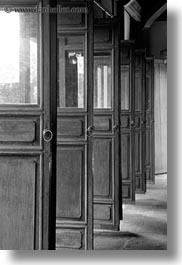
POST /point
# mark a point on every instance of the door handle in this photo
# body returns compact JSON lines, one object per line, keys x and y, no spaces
{"x":132,"y":123}
{"x":143,"y":122}
{"x":47,"y":135}
{"x":90,"y":130}
{"x":115,"y":128}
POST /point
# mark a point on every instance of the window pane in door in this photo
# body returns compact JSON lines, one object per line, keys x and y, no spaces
{"x":125,"y":87}
{"x":18,"y":58}
{"x":102,"y":81}
{"x":71,"y":79}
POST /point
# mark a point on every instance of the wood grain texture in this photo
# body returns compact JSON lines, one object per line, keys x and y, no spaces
{"x":102,"y":212}
{"x":74,"y":147}
{"x":17,"y":130}
{"x":138,"y":154}
{"x":69,"y":239}
{"x":128,"y":122}
{"x":103,"y":124}
{"x":17,"y":202}
{"x":70,"y":182}
{"x":125,"y":154}
{"x":127,"y":191}
{"x":140,"y":119}
{"x":150,"y":142}
{"x":71,"y":127}
{"x":102,"y":167}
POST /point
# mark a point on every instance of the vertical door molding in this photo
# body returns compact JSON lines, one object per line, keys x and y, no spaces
{"x":150,"y":140}
{"x":127,"y":114}
{"x":140,"y":122}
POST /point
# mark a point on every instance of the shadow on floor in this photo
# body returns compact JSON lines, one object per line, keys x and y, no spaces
{"x":144,"y":224}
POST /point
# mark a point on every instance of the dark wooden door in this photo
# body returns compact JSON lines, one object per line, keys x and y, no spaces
{"x":140,"y":122}
{"x":27,"y":219}
{"x":74,"y":128}
{"x":106,"y":129}
{"x":127,"y":120}
{"x":150,"y":140}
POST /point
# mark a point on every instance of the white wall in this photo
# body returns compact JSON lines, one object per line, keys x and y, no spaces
{"x":160,"y":111}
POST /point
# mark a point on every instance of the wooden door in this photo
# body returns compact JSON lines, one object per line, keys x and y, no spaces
{"x":127,"y":120}
{"x":27,"y":220}
{"x":74,"y":128}
{"x":150,"y":143}
{"x":140,"y":122}
{"x":106,"y":129}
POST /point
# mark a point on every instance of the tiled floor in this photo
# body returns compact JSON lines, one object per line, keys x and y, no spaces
{"x":145,"y":223}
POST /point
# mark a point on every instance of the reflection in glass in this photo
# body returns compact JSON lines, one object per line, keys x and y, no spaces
{"x":102,"y":81}
{"x":71,"y":76}
{"x":125,"y":87}
{"x":18,"y":58}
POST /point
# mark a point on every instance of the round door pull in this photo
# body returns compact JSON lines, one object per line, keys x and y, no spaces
{"x":132,"y":123}
{"x":90,"y":131}
{"x":47,"y":135}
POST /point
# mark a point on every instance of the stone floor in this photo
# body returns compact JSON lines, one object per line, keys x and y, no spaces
{"x":144,"y":226}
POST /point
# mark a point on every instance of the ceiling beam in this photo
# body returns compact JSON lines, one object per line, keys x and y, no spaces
{"x":103,"y":8}
{"x":133,"y":9}
{"x":154,"y":16}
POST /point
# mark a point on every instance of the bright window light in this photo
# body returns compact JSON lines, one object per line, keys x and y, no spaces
{"x":9,"y":47}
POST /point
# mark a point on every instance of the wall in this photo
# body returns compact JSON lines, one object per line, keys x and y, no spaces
{"x":157,"y":38}
{"x":160,"y":110}
{"x":157,"y":42}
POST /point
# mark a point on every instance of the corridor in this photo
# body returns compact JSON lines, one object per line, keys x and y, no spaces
{"x":145,"y":223}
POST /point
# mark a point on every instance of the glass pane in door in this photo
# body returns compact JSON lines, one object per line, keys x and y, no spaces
{"x":125,"y":87}
{"x":18,"y":58}
{"x":71,"y":73}
{"x":102,"y":81}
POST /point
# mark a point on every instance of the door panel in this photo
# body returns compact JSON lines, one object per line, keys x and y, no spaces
{"x":24,"y":114}
{"x":104,"y":213}
{"x":106,"y":128}
{"x":140,"y":122}
{"x":138,"y":153}
{"x":73,"y":239}
{"x":71,"y":127}
{"x":71,"y":168}
{"x":19,"y":189}
{"x":20,"y":130}
{"x":150,"y":143}
{"x":127,"y":120}
{"x":104,"y":154}
{"x":74,"y":129}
